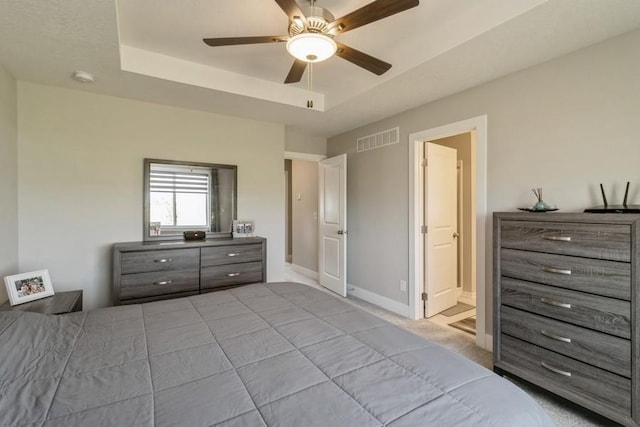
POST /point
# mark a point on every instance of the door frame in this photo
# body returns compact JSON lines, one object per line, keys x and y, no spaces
{"x":478,"y":126}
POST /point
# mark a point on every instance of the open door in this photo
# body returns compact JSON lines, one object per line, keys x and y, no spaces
{"x":440,"y":235}
{"x":332,"y":220}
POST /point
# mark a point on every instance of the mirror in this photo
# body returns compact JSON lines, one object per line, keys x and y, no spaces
{"x":188,"y":196}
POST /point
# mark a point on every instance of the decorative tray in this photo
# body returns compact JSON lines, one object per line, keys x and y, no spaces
{"x":538,"y":210}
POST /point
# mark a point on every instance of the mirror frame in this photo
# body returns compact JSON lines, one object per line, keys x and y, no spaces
{"x":146,"y":198}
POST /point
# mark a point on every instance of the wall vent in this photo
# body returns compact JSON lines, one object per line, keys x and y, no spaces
{"x":377,"y":140}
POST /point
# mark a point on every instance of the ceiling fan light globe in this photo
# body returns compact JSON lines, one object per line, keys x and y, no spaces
{"x":311,"y":47}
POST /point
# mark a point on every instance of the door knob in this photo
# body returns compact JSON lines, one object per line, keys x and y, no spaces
{"x":456,"y":235}
{"x":342,"y":231}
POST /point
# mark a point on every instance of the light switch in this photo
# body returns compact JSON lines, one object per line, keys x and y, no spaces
{"x":298,"y":197}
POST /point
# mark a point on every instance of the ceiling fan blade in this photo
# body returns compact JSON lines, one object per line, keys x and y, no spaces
{"x":293,"y":11}
{"x":361,"y":59}
{"x":296,"y":72}
{"x":369,"y":13}
{"x":230,"y":41}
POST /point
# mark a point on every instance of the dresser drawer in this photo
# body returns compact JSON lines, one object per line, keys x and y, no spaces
{"x":567,"y":376}
{"x":163,"y":260}
{"x":231,"y":274}
{"x":143,"y":285}
{"x":595,"y":348}
{"x":603,"y":241}
{"x":608,"y":278}
{"x":599,"y":313}
{"x":221,"y":255}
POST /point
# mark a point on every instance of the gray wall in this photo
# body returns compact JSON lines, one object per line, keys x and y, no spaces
{"x":565,"y":125}
{"x":304,"y":214}
{"x":80,"y":176}
{"x":8,"y":178}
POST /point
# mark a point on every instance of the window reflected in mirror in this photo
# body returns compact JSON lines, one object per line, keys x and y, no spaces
{"x":181,"y":196}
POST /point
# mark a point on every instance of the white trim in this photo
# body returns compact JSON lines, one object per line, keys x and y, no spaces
{"x":461,"y":232}
{"x":467,"y":298}
{"x":305,"y":271}
{"x":488,"y":341}
{"x":293,"y":155}
{"x":478,"y":125}
{"x":375,"y":299}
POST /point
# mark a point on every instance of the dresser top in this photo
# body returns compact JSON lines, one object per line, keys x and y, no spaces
{"x":183,"y":244}
{"x":579,"y":217}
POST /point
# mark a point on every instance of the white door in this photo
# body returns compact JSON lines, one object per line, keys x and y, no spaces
{"x":441,"y":219}
{"x":332,"y":219}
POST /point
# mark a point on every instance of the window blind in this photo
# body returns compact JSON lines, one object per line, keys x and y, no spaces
{"x":178,"y":182}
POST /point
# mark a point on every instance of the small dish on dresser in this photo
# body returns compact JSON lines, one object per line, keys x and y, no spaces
{"x":532,"y":209}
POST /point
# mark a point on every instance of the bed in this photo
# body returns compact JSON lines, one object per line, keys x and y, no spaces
{"x":276,"y":354}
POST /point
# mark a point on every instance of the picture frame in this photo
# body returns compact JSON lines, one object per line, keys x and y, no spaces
{"x":243,"y":228}
{"x":25,"y":287}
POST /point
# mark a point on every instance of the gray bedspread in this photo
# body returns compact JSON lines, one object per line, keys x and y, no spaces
{"x":278,"y":354}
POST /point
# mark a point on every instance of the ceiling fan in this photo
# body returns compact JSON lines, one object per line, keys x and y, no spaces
{"x":312,"y":31}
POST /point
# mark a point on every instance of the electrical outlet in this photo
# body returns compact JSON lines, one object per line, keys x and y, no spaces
{"x":403,"y":285}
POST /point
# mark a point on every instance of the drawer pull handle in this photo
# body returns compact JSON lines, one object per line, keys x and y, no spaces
{"x":555,"y":303}
{"x":164,"y":282}
{"x":555,"y":337}
{"x":558,"y":238}
{"x":233,"y":274}
{"x":556,"y":370}
{"x":234,"y":254}
{"x":163,"y":260}
{"x":556,"y":270}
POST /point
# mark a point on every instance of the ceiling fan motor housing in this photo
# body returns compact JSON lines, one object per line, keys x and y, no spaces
{"x":318,"y":20}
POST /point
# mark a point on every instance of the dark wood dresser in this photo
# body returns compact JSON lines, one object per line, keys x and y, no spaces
{"x":566,"y":307}
{"x":144,"y":271}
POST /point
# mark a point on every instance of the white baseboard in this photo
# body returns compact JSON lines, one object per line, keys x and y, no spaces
{"x":305,"y":271}
{"x":467,"y":298}
{"x":375,"y":299}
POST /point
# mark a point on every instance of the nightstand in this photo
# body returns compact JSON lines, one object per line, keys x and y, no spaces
{"x":60,"y":303}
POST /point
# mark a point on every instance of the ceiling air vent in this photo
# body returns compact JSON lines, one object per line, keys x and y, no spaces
{"x":380,"y":139}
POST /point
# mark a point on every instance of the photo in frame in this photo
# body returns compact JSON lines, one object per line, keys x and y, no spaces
{"x":29,"y":286}
{"x":243,"y":228}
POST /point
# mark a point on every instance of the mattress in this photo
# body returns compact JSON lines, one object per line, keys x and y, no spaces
{"x":277,"y":354}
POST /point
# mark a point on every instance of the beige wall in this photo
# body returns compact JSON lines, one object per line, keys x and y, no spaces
{"x":462,"y":144}
{"x":565,"y":125}
{"x":300,"y":142}
{"x":8,"y":178}
{"x":304,"y":214}
{"x":80,"y":177}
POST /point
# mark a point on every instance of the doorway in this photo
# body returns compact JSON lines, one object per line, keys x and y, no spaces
{"x":462,"y":313}
{"x":476,"y":231}
{"x":301,"y":213}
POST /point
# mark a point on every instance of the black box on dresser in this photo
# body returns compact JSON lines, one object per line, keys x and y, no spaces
{"x":566,"y":307}
{"x":152,"y":271}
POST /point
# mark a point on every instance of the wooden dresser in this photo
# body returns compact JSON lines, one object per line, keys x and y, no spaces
{"x":144,"y":271}
{"x":566,"y":307}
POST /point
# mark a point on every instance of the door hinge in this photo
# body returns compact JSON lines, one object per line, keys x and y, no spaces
{"x":425,"y":296}
{"x":423,"y":229}
{"x":423,"y":163}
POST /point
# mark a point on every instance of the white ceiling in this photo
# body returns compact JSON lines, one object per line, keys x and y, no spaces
{"x":153,"y":51}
